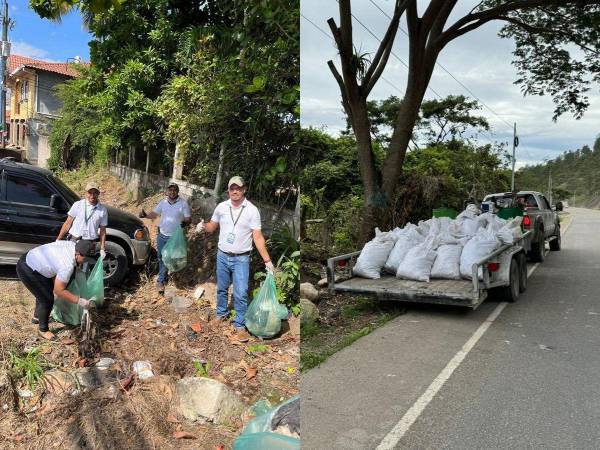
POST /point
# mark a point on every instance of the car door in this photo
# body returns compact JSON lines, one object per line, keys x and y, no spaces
{"x":10,"y":247}
{"x":33,"y":221}
{"x":549,"y":223}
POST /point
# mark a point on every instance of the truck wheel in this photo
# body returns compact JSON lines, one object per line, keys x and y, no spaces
{"x":537,"y":253}
{"x":510,"y":293}
{"x":555,"y":243}
{"x":522,"y":272}
{"x":115,"y":264}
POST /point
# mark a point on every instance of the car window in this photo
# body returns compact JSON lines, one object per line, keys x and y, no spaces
{"x":529,"y":200}
{"x":546,"y":203}
{"x":25,"y":190}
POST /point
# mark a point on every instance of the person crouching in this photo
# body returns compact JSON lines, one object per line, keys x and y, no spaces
{"x":46,"y":270}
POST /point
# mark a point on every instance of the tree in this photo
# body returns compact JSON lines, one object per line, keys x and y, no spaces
{"x":543,"y":32}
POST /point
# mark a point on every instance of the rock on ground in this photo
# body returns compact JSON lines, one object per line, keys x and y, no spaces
{"x":205,"y":398}
{"x":308,"y":311}
{"x":308,"y":291}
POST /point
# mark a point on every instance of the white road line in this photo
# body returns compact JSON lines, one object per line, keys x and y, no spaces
{"x":393,"y":437}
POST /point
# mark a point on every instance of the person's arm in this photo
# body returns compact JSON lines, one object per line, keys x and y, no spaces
{"x":65,"y":227}
{"x":211,"y":226}
{"x":60,"y":290}
{"x":151,"y":215}
{"x":102,"y":237}
{"x":261,"y":246}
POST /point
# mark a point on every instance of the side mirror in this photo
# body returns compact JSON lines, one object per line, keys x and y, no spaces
{"x":559,"y":206}
{"x":56,"y":202}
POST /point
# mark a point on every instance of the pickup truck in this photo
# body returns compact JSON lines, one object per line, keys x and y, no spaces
{"x":504,"y":271}
{"x":539,"y":217}
{"x":33,"y":207}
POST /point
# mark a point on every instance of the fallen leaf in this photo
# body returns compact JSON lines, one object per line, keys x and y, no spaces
{"x":172,"y":419}
{"x":250,"y":373}
{"x":126,"y":382}
{"x":82,"y":362}
{"x":196,"y":327}
{"x":68,"y":341}
{"x":175,"y":326}
{"x":219,"y":447}
{"x":183,"y":435}
{"x":46,"y":350}
{"x":18,"y":437}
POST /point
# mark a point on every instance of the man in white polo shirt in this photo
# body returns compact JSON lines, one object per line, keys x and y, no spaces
{"x":239,"y":224}
{"x":174,"y":212}
{"x":46,"y":270}
{"x":87,"y":219}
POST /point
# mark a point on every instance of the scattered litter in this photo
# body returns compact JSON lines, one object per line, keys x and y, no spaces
{"x":105,"y":363}
{"x":170,"y":292}
{"x":25,"y":393}
{"x":545,"y":347}
{"x":180,"y":304}
{"x":143,"y":370}
{"x":198,"y":293}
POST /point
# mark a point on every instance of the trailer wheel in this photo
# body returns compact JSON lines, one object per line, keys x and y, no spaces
{"x":522,"y":272}
{"x":510,"y":293}
{"x":555,"y":243}
{"x":538,"y":248}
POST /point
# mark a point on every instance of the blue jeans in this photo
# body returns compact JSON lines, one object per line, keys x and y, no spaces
{"x":234,"y":269}
{"x":163,"y":275}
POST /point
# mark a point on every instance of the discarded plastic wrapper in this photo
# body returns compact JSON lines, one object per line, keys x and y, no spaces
{"x":143,"y":370}
{"x":180,"y":304}
{"x":265,"y":313}
{"x":91,"y":287}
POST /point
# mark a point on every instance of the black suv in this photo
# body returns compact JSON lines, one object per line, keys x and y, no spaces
{"x":33,"y":207}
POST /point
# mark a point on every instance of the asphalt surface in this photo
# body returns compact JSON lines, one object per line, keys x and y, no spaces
{"x":530,"y":382}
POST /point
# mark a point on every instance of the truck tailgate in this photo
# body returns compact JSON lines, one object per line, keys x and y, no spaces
{"x":388,"y":287}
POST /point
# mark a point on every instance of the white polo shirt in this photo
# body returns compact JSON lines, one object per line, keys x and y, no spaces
{"x":56,"y":259}
{"x":172,"y":214}
{"x":88,"y":219}
{"x":246,"y":218}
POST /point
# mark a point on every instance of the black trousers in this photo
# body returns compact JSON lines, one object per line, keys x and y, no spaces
{"x":41,"y":287}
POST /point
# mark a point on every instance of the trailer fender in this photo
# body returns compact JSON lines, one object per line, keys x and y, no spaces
{"x":504,"y":259}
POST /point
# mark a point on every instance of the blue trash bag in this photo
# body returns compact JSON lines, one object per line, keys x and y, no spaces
{"x":265,"y":313}
{"x":174,"y":253}
{"x":260,"y":433}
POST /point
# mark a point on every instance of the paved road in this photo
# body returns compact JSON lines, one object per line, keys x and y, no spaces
{"x":529,"y":382}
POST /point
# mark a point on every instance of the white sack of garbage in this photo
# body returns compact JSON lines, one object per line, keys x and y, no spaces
{"x":447,"y":263}
{"x":417,"y":263}
{"x":374,"y":255}
{"x":482,"y":244}
{"x":406,"y":240}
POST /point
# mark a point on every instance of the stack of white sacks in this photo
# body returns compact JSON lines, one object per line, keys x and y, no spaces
{"x":437,"y":248}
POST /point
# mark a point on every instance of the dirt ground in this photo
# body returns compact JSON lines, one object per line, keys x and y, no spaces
{"x":136,"y":324}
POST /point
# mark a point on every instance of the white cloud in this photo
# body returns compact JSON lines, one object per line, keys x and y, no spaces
{"x":22,"y":48}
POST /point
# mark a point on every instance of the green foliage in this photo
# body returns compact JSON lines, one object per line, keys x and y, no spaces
{"x":27,"y":366}
{"x":202,"y":368}
{"x":256,"y":348}
{"x":574,"y":176}
{"x":282,"y":242}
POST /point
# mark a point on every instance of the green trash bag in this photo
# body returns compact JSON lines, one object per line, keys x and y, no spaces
{"x":265,"y":313}
{"x":90,"y":287}
{"x":260,"y":433}
{"x":174,"y":253}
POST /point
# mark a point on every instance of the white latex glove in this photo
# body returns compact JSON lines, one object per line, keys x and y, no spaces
{"x":200,"y":227}
{"x":102,"y":254}
{"x":84,"y":303}
{"x":270,"y":267}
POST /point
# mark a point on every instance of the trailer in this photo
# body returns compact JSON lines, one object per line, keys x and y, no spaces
{"x":504,"y":270}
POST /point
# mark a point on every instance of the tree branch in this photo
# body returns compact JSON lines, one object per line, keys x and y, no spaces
{"x":343,"y":91}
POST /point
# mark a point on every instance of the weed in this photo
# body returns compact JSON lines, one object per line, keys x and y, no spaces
{"x":28,"y":366}
{"x":256,"y":348}
{"x":202,"y":368}
{"x":308,"y":330}
{"x":363,"y":304}
{"x":308,"y":360}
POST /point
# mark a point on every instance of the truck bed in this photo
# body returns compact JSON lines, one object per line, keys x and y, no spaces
{"x":388,"y":287}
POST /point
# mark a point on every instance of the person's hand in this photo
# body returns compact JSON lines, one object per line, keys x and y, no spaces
{"x":84,"y":303}
{"x":200,"y":227}
{"x":184,"y":225}
{"x":142,"y":214}
{"x":102,"y":253}
{"x":270,"y":267}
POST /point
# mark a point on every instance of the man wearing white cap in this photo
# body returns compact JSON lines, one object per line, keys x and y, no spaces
{"x":87,"y":219}
{"x":239,"y":224}
{"x":174,"y":212}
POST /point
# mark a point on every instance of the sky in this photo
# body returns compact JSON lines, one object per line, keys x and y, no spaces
{"x":480,"y":60}
{"x":40,"y":38}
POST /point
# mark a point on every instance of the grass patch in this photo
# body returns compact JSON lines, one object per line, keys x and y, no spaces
{"x":256,"y":348}
{"x":361,"y":305}
{"x":27,"y":367}
{"x":319,"y":344}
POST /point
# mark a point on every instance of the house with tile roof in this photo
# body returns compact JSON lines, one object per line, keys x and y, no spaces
{"x":33,"y":104}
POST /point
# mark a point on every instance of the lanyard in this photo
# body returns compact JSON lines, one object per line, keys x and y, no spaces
{"x":238,"y":217}
{"x":87,"y":218}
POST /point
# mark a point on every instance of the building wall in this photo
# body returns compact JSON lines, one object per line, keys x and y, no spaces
{"x":46,"y":100}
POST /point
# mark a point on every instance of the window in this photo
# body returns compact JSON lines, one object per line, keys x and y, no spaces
{"x":546,"y":203}
{"x":23,"y":190}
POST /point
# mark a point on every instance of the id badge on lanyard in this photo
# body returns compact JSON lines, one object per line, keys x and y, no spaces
{"x":231,"y":235}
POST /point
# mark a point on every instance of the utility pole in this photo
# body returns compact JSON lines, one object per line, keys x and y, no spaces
{"x":515,"y":145}
{"x":550,"y":184}
{"x":5,"y":52}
